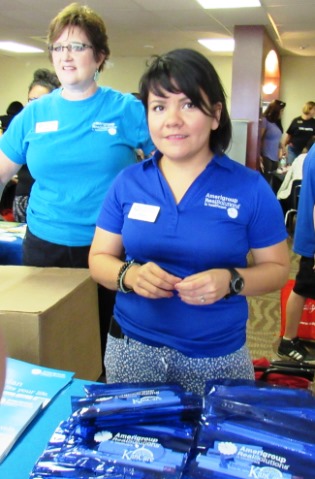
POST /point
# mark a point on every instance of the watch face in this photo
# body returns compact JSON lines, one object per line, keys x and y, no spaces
{"x":238,"y":285}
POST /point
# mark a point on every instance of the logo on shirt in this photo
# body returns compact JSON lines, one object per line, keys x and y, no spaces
{"x":111,"y":128}
{"x":231,"y":205}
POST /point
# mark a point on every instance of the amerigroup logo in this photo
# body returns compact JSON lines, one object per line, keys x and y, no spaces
{"x":231,"y":205}
{"x":111,"y":128}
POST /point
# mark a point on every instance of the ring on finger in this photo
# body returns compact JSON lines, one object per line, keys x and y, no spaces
{"x":202,"y":299}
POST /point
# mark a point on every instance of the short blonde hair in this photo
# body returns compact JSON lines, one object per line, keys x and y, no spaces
{"x":308,"y":107}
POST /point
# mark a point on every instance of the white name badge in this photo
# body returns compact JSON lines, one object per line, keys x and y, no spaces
{"x":143,"y":212}
{"x":45,"y":126}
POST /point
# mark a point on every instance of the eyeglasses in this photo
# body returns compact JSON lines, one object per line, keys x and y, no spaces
{"x":74,"y":47}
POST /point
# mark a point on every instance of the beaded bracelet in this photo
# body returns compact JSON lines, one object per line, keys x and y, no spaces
{"x":121,"y":275}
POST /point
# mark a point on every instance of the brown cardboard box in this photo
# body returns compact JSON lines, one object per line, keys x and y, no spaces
{"x":49,"y":316}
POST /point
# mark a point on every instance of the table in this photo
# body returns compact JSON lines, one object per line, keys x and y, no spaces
{"x":21,"y":459}
{"x":11,"y":239}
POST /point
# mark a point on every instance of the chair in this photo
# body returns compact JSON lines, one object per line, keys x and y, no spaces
{"x":291,"y":213}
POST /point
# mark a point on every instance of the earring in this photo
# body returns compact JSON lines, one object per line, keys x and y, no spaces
{"x":96,"y":75}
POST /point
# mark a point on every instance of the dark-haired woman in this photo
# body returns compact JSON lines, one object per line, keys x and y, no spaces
{"x":13,"y":109}
{"x":186,"y":219}
{"x":271,"y":135}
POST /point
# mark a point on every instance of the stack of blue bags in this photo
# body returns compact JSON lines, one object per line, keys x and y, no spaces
{"x":239,"y":429}
{"x":122,"y":431}
{"x":254,"y":430}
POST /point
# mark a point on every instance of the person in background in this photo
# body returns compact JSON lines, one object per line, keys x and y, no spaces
{"x":6,"y":200}
{"x":174,"y":234}
{"x":290,"y":345}
{"x":301,"y":129}
{"x":13,"y":109}
{"x":295,"y":172}
{"x":2,"y":363}
{"x":44,"y":82}
{"x":74,"y":141}
{"x":271,"y":133}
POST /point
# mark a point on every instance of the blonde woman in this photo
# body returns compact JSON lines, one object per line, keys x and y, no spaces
{"x":300,"y":131}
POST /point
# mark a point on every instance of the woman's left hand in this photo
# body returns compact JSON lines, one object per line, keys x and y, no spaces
{"x":206,"y":287}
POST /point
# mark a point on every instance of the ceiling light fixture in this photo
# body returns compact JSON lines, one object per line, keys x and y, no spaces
{"x":217,"y":4}
{"x":218,"y":44}
{"x":19,"y":48}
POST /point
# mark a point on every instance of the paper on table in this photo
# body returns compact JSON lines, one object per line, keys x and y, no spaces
{"x":28,"y":389}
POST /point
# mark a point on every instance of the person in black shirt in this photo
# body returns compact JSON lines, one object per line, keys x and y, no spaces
{"x":300,"y":131}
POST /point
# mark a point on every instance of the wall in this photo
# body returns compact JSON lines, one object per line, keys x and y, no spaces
{"x":123,"y":74}
{"x":297,"y":85}
{"x":17,"y":72}
{"x":297,"y":78}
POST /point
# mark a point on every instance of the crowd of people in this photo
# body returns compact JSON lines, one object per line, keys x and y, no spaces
{"x":176,"y":292}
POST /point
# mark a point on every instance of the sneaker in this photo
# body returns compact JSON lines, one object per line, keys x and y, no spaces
{"x":294,"y":349}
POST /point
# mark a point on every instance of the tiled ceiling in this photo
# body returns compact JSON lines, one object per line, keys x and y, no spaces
{"x":139,"y":28}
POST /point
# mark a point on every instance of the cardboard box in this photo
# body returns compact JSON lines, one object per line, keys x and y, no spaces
{"x":49,"y":316}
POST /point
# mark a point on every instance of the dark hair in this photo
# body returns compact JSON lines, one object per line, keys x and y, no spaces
{"x":272,"y":112}
{"x":187,"y":71}
{"x":45,"y":78}
{"x":76,"y":15}
{"x":14,"y":108}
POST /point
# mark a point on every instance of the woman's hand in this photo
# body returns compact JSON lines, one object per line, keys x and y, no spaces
{"x":151,"y":281}
{"x":206,"y":287}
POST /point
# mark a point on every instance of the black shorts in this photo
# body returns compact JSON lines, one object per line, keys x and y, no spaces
{"x":305,"y":278}
{"x":38,"y":252}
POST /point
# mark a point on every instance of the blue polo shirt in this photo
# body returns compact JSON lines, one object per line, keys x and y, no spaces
{"x":228,"y":210}
{"x":304,"y":234}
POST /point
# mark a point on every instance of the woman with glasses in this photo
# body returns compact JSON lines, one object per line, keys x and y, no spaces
{"x":44,"y":82}
{"x":74,"y":141}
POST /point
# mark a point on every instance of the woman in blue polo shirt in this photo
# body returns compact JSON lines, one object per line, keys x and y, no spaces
{"x":186,"y":220}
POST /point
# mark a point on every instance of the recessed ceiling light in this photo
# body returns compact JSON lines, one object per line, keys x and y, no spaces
{"x":218,"y":44}
{"x":208,"y":4}
{"x":19,"y":48}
